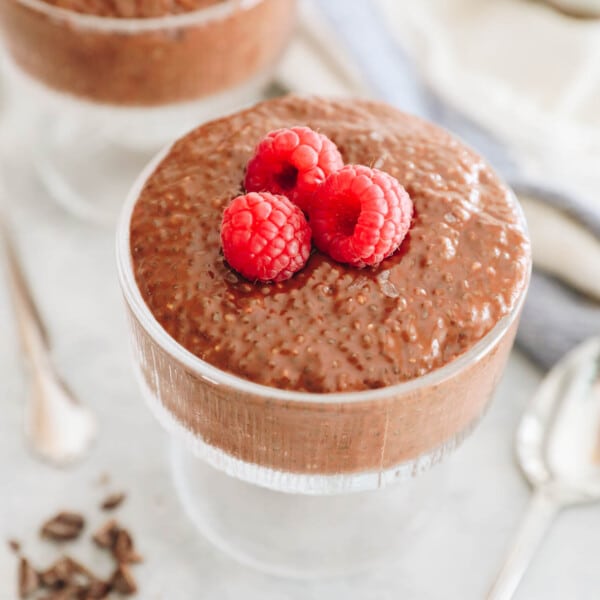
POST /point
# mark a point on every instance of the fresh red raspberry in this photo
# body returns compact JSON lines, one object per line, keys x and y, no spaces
{"x":360,"y":216}
{"x":265,"y":237}
{"x":292,"y":162}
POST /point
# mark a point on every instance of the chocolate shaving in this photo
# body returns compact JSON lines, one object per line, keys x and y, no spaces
{"x":82,"y":570}
{"x":58,"y":575}
{"x":123,"y":582}
{"x":67,"y":593}
{"x":65,"y":526}
{"x":113,"y":501}
{"x":29,"y":580}
{"x":119,"y":541}
{"x":106,"y":536}
{"x":96,"y":590}
{"x":14,"y":546}
{"x":78,"y":592}
{"x":124,"y":549}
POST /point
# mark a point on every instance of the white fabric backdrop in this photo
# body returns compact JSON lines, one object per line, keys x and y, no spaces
{"x":525,"y":71}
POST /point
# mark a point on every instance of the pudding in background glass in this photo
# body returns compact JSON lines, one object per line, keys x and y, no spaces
{"x":339,"y":379}
{"x":145,"y":54}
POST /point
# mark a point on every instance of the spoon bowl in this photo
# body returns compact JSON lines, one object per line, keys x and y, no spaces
{"x":558,"y":439}
{"x":59,"y":428}
{"x":558,"y":450}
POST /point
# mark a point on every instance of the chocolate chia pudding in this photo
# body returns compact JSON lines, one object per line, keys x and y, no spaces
{"x":145,"y":53}
{"x":461,"y":273}
{"x":132,"y":9}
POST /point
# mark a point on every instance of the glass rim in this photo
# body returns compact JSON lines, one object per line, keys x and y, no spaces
{"x":134,"y":25}
{"x":216,"y":376}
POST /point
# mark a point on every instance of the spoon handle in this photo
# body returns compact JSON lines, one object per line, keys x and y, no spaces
{"x":543,"y":507}
{"x":31,"y":328}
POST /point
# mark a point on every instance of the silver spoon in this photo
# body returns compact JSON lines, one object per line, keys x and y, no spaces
{"x":59,"y":428}
{"x":558,"y":449}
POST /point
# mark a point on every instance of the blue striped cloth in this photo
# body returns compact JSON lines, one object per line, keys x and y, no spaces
{"x":555,"y":317}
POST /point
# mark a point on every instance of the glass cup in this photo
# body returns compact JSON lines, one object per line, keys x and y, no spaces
{"x":305,"y":484}
{"x":110,"y":92}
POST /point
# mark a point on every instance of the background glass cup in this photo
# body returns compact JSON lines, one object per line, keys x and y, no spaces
{"x":295,"y":483}
{"x":110,"y":92}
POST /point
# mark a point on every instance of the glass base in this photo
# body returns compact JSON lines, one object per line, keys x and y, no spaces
{"x":85,"y":173}
{"x":88,"y":155}
{"x":304,"y":536}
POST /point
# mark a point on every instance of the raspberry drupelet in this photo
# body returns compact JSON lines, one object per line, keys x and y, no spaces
{"x":360,"y":216}
{"x":265,"y":237}
{"x":292,"y":162}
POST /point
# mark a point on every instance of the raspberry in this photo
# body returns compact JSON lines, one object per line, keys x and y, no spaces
{"x":360,"y":216}
{"x":292,"y":162}
{"x":265,"y":237}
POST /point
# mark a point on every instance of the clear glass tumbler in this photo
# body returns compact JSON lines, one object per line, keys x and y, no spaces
{"x":110,"y":92}
{"x":302,"y":484}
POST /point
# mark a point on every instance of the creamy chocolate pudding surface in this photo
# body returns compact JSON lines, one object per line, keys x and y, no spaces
{"x":132,"y":9}
{"x":331,"y":328}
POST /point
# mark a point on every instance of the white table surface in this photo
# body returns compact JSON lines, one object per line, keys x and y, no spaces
{"x":72,"y":269}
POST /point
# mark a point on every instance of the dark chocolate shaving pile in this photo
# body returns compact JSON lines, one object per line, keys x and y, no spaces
{"x":68,"y":579}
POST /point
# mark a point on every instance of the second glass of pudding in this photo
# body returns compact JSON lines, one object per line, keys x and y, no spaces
{"x":306,"y":415}
{"x":113,"y":82}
